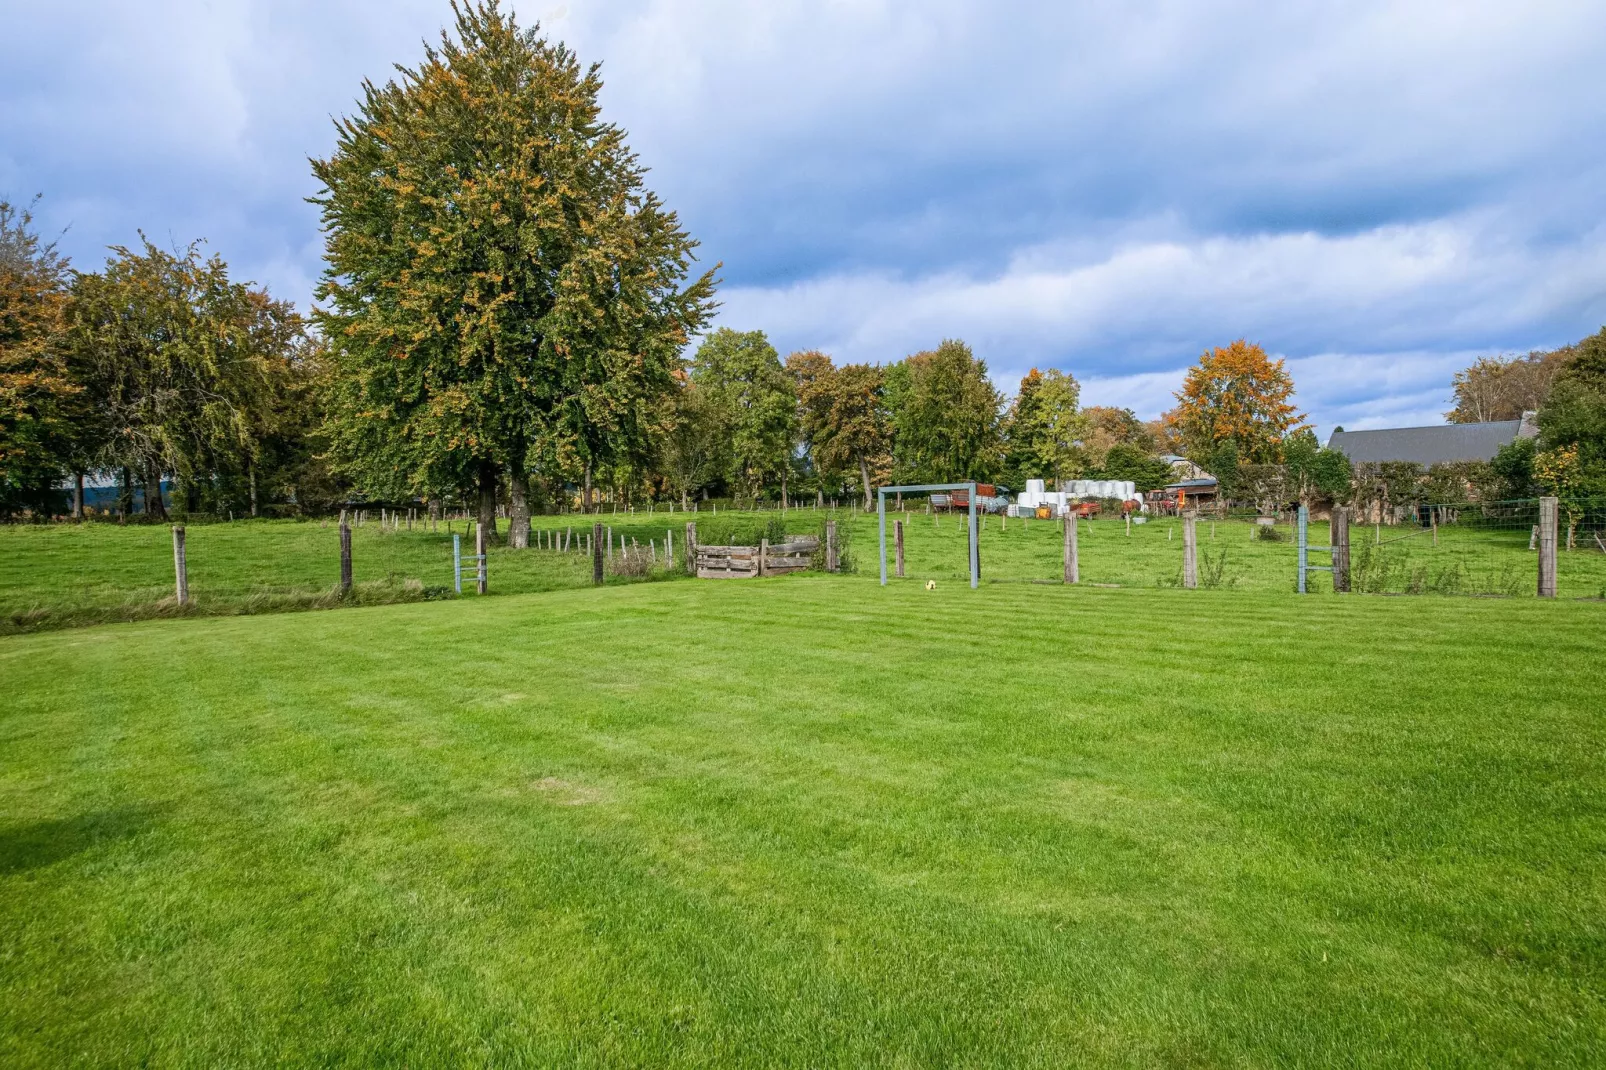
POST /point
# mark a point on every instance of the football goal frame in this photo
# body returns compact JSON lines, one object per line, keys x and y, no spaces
{"x":881,"y":513}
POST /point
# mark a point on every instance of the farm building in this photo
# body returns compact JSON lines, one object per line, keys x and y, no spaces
{"x":1427,"y":446}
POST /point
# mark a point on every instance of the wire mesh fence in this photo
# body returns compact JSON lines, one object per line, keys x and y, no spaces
{"x":1468,"y":548}
{"x":57,"y":574}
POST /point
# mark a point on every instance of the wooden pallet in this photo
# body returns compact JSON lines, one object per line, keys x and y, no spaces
{"x":748,"y":562}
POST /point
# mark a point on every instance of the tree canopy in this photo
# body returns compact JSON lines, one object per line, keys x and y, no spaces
{"x":743,"y":377}
{"x":502,"y":290}
{"x":38,"y":397}
{"x":845,"y":420}
{"x":184,"y":369}
{"x":946,"y":417}
{"x":1237,"y":393}
{"x":1044,"y":430}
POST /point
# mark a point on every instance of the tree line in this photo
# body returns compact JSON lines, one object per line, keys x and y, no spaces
{"x":505,"y":323}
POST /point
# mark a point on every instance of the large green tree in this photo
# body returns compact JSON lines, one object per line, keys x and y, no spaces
{"x":845,"y":420}
{"x":1044,"y":429}
{"x":696,"y":443}
{"x":185,"y":371}
{"x":743,"y":375}
{"x":503,"y":294}
{"x":945,"y":415}
{"x":38,"y":397}
{"x":1572,"y":424}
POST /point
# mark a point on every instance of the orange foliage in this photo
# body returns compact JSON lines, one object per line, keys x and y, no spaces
{"x":1236,"y":393}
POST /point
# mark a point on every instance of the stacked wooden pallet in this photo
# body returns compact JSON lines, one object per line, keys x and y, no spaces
{"x":745,"y":562}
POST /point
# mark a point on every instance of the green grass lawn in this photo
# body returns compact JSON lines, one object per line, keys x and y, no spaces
{"x":810,"y":822}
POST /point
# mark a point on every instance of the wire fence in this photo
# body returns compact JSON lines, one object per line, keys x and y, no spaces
{"x":53,"y":575}
{"x":1484,"y":549}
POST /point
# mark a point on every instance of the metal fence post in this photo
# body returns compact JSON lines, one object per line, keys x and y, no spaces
{"x":975,"y":543}
{"x":181,"y":572}
{"x":457,"y":563}
{"x":1304,"y":545}
{"x":1547,"y":547}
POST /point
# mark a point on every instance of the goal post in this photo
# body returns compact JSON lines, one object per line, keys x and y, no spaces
{"x":881,"y":514}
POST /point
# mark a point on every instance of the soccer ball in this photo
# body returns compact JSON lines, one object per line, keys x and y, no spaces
{"x":931,"y":585}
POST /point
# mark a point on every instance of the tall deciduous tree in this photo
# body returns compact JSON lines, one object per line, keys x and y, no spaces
{"x":1572,"y":424}
{"x":696,"y":442}
{"x":37,"y":395}
{"x":1237,"y":393}
{"x":1502,"y":388}
{"x":946,"y":417}
{"x":743,"y":376}
{"x":503,"y":292}
{"x":184,"y":369}
{"x":844,"y":417}
{"x":1044,"y":430}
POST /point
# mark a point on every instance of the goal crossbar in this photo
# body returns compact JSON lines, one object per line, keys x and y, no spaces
{"x":881,"y":513}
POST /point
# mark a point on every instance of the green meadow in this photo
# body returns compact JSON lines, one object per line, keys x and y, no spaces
{"x":809,"y":822}
{"x":55,"y":575}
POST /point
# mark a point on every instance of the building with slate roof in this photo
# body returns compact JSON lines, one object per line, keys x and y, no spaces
{"x":1427,"y":446}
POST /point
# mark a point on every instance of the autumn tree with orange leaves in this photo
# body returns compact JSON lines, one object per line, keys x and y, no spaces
{"x":1236,"y":394}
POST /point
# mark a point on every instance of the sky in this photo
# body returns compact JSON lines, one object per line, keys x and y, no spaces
{"x":1379,"y":193}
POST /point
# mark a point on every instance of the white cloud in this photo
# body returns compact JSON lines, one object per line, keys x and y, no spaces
{"x":1374,"y":189}
{"x":1128,"y":322}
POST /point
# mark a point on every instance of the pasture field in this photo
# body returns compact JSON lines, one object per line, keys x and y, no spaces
{"x":1465,"y":559}
{"x":61,"y":574}
{"x":809,"y":822}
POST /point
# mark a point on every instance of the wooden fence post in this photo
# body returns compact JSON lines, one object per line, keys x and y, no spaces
{"x":480,"y":583}
{"x":897,"y":541}
{"x":596,"y":554}
{"x":1072,"y":571}
{"x":1340,"y":541}
{"x":832,"y":561}
{"x":1190,"y":553}
{"x":345,"y":558}
{"x":691,"y":547}
{"x":1547,"y":547}
{"x":181,"y":573}
{"x":763,"y":552}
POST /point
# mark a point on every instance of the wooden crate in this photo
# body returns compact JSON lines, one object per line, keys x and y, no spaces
{"x":746,"y":562}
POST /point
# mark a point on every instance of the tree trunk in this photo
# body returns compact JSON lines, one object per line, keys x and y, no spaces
{"x":685,"y":503}
{"x":252,"y":469}
{"x":518,"y":510}
{"x":585,"y":492}
{"x":864,"y":474}
{"x":154,"y":506}
{"x":125,"y":497}
{"x":487,"y":504}
{"x":78,"y":496}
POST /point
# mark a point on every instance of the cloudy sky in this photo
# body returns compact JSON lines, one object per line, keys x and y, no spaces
{"x":1378,"y":192}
